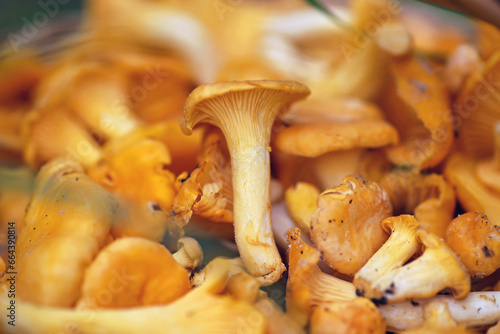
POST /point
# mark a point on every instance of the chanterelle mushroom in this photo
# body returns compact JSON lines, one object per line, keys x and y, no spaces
{"x":245,"y":112}
{"x":346,"y":227}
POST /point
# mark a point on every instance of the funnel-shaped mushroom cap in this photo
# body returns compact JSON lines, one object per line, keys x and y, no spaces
{"x":224,"y":103}
{"x":245,"y":112}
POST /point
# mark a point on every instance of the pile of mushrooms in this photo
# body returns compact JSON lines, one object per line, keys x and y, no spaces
{"x":345,"y":163}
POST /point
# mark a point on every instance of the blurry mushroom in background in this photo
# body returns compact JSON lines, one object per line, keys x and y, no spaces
{"x":476,"y":241}
{"x":336,"y":136}
{"x":476,"y":109}
{"x":427,"y":196}
{"x":66,"y":224}
{"x":416,"y":102}
{"x":461,"y":171}
{"x":301,"y":202}
{"x":144,"y":201}
{"x":346,"y":227}
{"x":160,"y":26}
{"x":189,"y":253}
{"x":488,"y":170}
{"x":462,"y":63}
{"x":98,"y":99}
{"x":436,"y":269}
{"x":307,"y":285}
{"x":51,"y":132}
{"x":245,"y":112}
{"x":184,"y":157}
{"x":357,"y":316}
{"x":133,"y":272}
{"x":204,"y":309}
{"x":19,"y":78}
{"x":16,"y":189}
{"x":396,"y":251}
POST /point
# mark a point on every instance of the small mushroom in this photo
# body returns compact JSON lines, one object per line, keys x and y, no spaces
{"x":436,"y":269}
{"x":245,"y":111}
{"x":346,"y":227}
{"x":396,"y":251}
{"x":132,"y":272}
{"x":67,"y":222}
{"x":476,"y":241}
{"x":189,"y":253}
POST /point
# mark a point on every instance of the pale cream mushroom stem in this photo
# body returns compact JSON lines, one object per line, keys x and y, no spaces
{"x":245,"y":112}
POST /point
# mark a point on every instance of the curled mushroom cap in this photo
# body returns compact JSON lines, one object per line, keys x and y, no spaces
{"x":398,"y":249}
{"x":67,"y":222}
{"x":245,"y":111}
{"x":427,"y":196}
{"x":133,"y":272}
{"x":476,"y":241}
{"x":207,"y":191}
{"x":346,"y":226}
{"x":316,"y":127}
{"x":357,"y":316}
{"x":416,"y":102}
{"x":436,"y":269}
{"x":307,"y":285}
{"x":476,"y":109}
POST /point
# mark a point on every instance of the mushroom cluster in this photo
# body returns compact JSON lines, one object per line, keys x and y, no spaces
{"x":282,"y":166}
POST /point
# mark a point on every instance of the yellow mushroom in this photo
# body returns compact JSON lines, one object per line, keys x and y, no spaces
{"x":189,"y":253}
{"x":132,"y":272}
{"x":346,"y":227}
{"x":416,"y":102}
{"x":145,"y":201}
{"x":203,"y":309}
{"x":427,"y":196}
{"x":207,"y":191}
{"x":476,"y":241}
{"x":301,"y":201}
{"x":98,"y":99}
{"x":245,"y":111}
{"x":51,"y":132}
{"x":357,"y":316}
{"x":307,"y":285}
{"x":436,"y":269}
{"x":473,"y":195}
{"x":399,"y":248}
{"x":66,"y":224}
